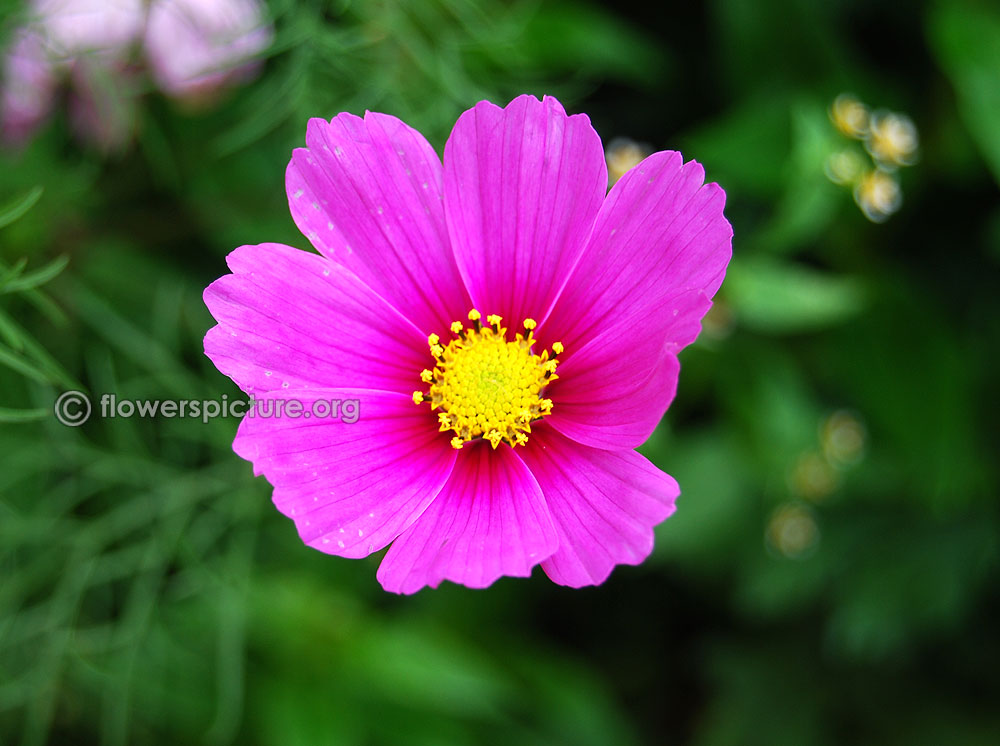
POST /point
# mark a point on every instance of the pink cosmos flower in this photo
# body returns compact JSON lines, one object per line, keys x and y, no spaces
{"x":196,"y":47}
{"x":444,"y":299}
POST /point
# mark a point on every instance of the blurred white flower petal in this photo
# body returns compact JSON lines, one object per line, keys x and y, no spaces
{"x":850,"y":116}
{"x":196,"y":47}
{"x":76,"y":27}
{"x":878,"y":195}
{"x":892,"y":139}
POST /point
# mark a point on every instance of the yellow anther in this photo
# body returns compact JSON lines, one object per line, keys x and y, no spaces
{"x":456,"y":327}
{"x":486,"y":386}
{"x":457,"y":443}
{"x":557,"y":348}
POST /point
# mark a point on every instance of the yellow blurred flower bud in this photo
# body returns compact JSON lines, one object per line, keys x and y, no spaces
{"x":892,"y":139}
{"x":850,"y":116}
{"x":878,"y":195}
{"x":622,"y":155}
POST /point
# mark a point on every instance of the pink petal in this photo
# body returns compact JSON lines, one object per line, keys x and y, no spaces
{"x":604,"y":504}
{"x":522,"y":188}
{"x":660,"y":232}
{"x":612,"y":420}
{"x":351,"y":488}
{"x":489,"y":520}
{"x":293,"y":319}
{"x":613,"y":395}
{"x":368,"y":193}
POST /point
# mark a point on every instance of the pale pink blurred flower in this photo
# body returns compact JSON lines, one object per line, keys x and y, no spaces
{"x":102,"y":104}
{"x":193,"y":48}
{"x":196,"y":47}
{"x":28,"y":88}
{"x":87,"y":42}
{"x":72,"y":28}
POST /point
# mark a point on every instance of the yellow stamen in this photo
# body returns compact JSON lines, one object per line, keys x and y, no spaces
{"x":486,"y":386}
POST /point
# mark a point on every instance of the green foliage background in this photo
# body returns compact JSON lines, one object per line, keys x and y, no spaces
{"x":149,"y":592}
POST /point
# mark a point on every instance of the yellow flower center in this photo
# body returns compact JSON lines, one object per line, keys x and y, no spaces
{"x":487,"y":386}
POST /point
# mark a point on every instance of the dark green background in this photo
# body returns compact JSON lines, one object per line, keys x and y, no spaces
{"x":150,"y":593}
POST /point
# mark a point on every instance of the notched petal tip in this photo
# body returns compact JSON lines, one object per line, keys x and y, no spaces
{"x":489,"y":521}
{"x":605,"y":516}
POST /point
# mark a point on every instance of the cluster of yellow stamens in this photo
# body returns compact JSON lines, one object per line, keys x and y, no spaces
{"x":487,"y":386}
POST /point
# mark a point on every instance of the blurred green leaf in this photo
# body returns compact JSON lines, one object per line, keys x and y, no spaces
{"x":22,"y":342}
{"x":35,"y":278}
{"x":774,"y":676}
{"x":713,"y":512}
{"x":22,"y":415}
{"x":583,"y":38}
{"x":909,"y":578}
{"x":23,"y":366}
{"x":9,"y":273}
{"x":18,"y":207}
{"x":966,"y":38}
{"x":809,"y":200}
{"x":747,"y":149}
{"x":774,"y":297}
{"x":907,"y":368}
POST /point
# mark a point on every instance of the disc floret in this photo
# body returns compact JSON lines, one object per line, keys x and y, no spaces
{"x":486,"y":385}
